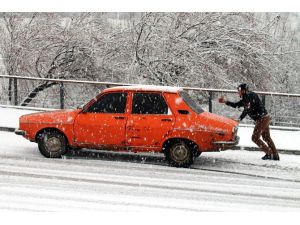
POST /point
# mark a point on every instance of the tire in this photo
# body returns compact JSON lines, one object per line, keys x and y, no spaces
{"x":179,"y":154}
{"x":52,"y":144}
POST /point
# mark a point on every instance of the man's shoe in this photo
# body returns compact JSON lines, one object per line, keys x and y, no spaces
{"x":267,"y":157}
{"x":276,"y":157}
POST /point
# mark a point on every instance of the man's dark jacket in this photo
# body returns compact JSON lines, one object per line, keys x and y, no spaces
{"x":252,"y":106}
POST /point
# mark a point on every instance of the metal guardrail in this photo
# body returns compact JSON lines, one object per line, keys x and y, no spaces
{"x":210,"y":91}
{"x":127,"y":84}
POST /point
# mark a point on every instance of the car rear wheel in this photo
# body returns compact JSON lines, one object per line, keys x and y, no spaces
{"x":52,"y":144}
{"x":179,"y":154}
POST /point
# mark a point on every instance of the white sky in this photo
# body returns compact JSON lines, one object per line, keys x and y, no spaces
{"x":150,"y":5}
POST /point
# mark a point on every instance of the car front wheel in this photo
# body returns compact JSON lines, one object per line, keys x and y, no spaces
{"x":52,"y":144}
{"x":179,"y":154}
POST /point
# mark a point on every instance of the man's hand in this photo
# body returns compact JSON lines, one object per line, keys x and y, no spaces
{"x":222,"y":99}
{"x":237,"y":120}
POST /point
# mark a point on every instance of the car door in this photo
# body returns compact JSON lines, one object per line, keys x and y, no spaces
{"x":104,"y":122}
{"x":149,"y":121}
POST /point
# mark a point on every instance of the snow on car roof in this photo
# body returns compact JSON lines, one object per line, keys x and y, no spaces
{"x":147,"y":88}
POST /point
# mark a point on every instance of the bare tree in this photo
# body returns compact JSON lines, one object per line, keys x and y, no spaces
{"x":204,"y":49}
{"x":47,"y":45}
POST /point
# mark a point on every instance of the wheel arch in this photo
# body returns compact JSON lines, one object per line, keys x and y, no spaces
{"x":51,"y":129}
{"x":193,"y":145}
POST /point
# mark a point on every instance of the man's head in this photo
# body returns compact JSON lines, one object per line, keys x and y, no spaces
{"x":242,"y":89}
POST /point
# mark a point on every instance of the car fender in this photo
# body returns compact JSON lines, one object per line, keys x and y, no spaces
{"x":65,"y":129}
{"x":202,"y":138}
{"x":182,"y":134}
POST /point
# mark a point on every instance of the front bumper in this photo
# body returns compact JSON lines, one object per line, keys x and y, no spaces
{"x":227,"y":143}
{"x":20,"y":132}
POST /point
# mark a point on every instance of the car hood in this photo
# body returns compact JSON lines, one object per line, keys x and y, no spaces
{"x":213,"y":122}
{"x":59,"y":116}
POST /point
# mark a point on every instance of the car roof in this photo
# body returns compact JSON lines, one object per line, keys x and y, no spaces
{"x":145,"y":88}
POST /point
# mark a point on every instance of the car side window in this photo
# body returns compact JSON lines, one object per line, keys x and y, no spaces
{"x":149,"y":103}
{"x":110,"y":103}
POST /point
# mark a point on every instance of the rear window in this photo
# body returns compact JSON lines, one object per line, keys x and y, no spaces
{"x":190,"y":102}
{"x":149,"y":103}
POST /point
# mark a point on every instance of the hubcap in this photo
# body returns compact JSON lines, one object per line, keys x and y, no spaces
{"x":179,"y":152}
{"x":53,"y":144}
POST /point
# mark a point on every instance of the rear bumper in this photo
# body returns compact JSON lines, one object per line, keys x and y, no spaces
{"x":20,"y":132}
{"x":227,"y":144}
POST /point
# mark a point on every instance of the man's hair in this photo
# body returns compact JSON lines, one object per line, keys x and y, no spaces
{"x":243,"y":86}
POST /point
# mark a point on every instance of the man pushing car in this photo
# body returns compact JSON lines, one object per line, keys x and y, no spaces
{"x":256,"y":111}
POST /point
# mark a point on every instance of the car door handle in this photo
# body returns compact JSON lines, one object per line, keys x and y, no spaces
{"x":166,"y":120}
{"x":119,"y":117}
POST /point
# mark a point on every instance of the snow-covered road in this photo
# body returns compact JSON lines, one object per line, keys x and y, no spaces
{"x":226,"y":181}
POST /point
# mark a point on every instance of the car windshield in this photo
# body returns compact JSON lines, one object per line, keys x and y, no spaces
{"x":187,"y":98}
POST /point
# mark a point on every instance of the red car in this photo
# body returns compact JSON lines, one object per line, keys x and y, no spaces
{"x":133,"y":118}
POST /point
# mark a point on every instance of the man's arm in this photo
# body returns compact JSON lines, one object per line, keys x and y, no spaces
{"x":244,"y":114}
{"x":234,"y":104}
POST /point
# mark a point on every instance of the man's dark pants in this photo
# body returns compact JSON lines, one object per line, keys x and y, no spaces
{"x":262,"y":129}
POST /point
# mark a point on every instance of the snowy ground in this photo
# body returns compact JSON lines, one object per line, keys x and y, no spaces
{"x":232,"y":180}
{"x":226,"y":181}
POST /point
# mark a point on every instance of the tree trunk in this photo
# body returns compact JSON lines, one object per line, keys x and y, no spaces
{"x":35,"y":91}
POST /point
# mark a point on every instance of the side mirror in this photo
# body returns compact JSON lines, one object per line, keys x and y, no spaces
{"x":84,"y":110}
{"x":86,"y":106}
{"x":80,"y":107}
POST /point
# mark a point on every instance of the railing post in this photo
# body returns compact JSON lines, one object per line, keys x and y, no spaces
{"x":210,"y":101}
{"x":263,"y":98}
{"x":15,"y":91}
{"x":62,"y":95}
{"x":10,"y":90}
